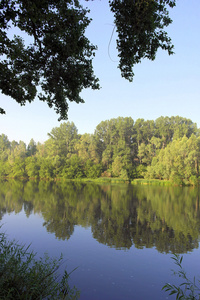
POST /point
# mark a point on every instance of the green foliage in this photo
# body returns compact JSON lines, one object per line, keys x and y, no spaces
{"x":19,"y":168}
{"x":152,"y":182}
{"x":118,"y":148}
{"x":4,"y":169}
{"x":188,"y":289}
{"x":140,"y":171}
{"x":32,"y":148}
{"x":62,"y":138}
{"x":58,"y":57}
{"x":24,"y":277}
{"x":93,"y":170}
{"x":46,"y":168}
{"x":55,"y":54}
{"x":73,"y":168}
{"x":32,"y":167}
{"x":142,"y":34}
{"x":177,"y":162}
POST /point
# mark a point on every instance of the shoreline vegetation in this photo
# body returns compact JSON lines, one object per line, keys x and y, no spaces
{"x":22,"y":276}
{"x":110,"y":180}
{"x":162,"y":152}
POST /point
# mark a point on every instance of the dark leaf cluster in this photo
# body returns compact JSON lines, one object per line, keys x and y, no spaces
{"x":45,"y":53}
{"x":55,"y":55}
{"x":140,"y":26}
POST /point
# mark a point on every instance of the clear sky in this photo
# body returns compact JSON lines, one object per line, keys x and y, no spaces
{"x":168,"y":86}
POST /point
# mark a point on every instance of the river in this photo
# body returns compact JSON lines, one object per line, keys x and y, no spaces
{"x":119,"y":237}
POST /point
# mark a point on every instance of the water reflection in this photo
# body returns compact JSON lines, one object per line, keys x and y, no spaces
{"x":167,"y":218}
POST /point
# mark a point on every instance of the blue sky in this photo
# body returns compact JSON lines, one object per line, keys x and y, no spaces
{"x":168,"y":86}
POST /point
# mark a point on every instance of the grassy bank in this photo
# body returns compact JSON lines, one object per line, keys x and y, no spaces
{"x":152,"y":182}
{"x":116,"y":180}
{"x":101,"y":180}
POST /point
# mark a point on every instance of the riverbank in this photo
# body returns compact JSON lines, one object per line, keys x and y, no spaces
{"x":113,"y":180}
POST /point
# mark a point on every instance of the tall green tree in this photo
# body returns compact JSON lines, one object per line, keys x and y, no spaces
{"x":62,"y":140}
{"x":4,"y":147}
{"x":86,"y":148}
{"x":32,"y":148}
{"x":179,"y":161}
{"x":115,"y":137}
{"x":143,"y":131}
{"x":175,"y":127}
{"x":32,"y":167}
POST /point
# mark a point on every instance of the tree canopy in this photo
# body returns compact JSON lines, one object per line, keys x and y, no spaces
{"x":54,"y":61}
{"x":166,"y":149}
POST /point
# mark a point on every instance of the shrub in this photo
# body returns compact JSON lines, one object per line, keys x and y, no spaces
{"x":24,"y":277}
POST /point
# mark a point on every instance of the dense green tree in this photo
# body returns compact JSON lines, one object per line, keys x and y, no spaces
{"x":20,"y":150}
{"x":143,"y":131}
{"x":92,"y":170}
{"x":147,"y":152}
{"x":62,"y":140}
{"x":46,"y":168}
{"x":170,"y":128}
{"x":86,"y":148}
{"x":32,"y":148}
{"x":117,"y":166}
{"x":82,"y":147}
{"x":4,"y":168}
{"x":57,"y":56}
{"x":4,"y":147}
{"x":115,"y":139}
{"x":18,"y":169}
{"x":32,"y":167}
{"x":179,"y":161}
{"x":73,"y":168}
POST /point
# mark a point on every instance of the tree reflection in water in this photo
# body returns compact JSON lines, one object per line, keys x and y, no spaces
{"x":167,"y":218}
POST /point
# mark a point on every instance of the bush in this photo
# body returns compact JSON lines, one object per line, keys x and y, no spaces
{"x":188,"y":290}
{"x":24,"y":277}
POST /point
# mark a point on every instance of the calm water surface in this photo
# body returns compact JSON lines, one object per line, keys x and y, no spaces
{"x":119,"y":236}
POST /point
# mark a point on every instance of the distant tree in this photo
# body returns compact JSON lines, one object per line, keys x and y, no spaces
{"x":20,"y":150}
{"x":4,"y":147}
{"x":32,"y":148}
{"x":56,"y":55}
{"x":179,"y":161}
{"x":32,"y":167}
{"x":62,"y":140}
{"x":92,"y":170}
{"x":18,"y":169}
{"x":170,"y":128}
{"x":143,"y":131}
{"x":73,"y":168}
{"x":86,"y":148}
{"x":46,"y":168}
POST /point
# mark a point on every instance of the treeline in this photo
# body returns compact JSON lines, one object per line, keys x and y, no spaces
{"x":167,"y":148}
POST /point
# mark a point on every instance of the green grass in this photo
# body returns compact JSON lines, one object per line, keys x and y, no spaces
{"x":24,"y":277}
{"x":99,"y":180}
{"x":152,"y":182}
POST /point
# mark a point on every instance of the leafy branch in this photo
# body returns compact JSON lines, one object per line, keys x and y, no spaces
{"x":188,"y":289}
